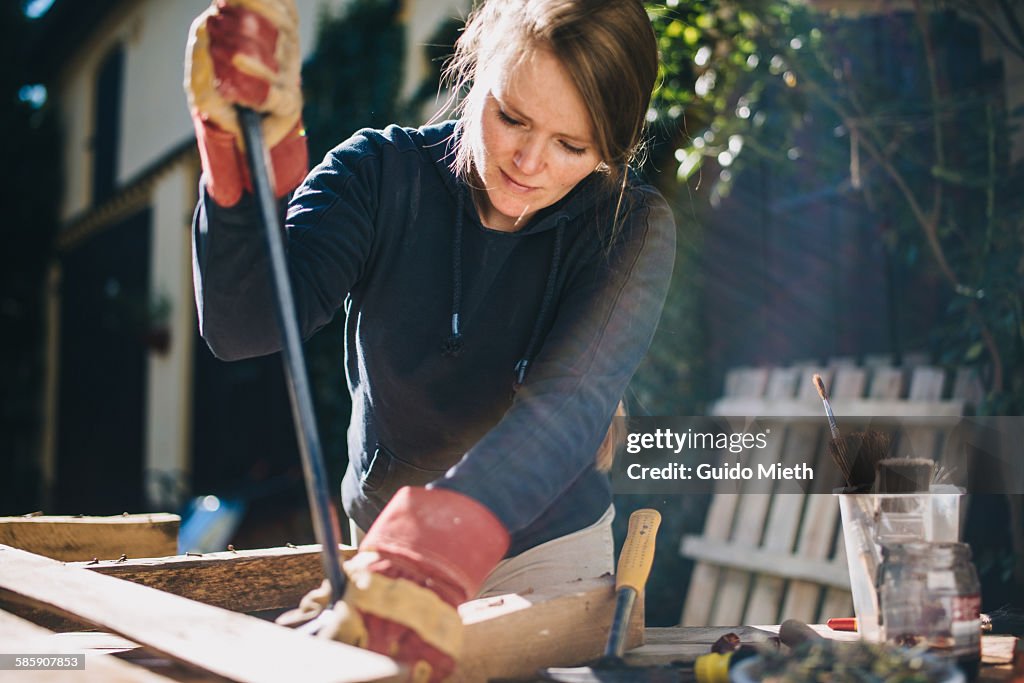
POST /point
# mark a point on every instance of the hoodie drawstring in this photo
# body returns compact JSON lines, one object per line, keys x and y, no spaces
{"x":549,"y":294}
{"x":453,"y":344}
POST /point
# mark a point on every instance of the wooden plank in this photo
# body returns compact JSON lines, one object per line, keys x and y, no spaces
{"x":783,"y":525}
{"x":837,"y":601}
{"x":850,"y":382}
{"x":241,"y":581}
{"x":704,"y":579}
{"x":20,"y":636}
{"x":505,"y":635}
{"x":235,"y":646}
{"x":887,"y":382}
{"x":926,"y":384}
{"x":511,"y":636}
{"x":730,"y":599}
{"x":745,"y":381}
{"x":967,"y":386}
{"x":83,"y":538}
{"x":719,"y":520}
{"x":775,"y":563}
{"x":664,"y":646}
{"x":782,"y":383}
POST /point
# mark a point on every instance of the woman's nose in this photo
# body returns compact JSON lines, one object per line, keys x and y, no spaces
{"x":529,"y":157}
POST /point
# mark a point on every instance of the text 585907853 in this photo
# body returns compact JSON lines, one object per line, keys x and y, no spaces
{"x":41,"y":662}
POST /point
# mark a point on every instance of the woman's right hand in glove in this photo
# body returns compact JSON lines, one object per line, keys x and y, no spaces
{"x":428,"y":551}
{"x":246,"y":53}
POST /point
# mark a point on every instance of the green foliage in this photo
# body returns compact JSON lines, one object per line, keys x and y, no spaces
{"x":897,"y":115}
{"x":352,"y":81}
{"x":354,"y":75}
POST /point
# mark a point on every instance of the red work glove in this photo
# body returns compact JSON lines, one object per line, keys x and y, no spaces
{"x":429,"y":551}
{"x":246,"y":52}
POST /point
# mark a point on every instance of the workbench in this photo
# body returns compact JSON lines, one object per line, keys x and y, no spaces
{"x":204,"y":618}
{"x":189,"y":618}
{"x":663,"y":646}
{"x":685,"y":643}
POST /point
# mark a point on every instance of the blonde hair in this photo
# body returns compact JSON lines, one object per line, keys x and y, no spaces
{"x":607,"y":46}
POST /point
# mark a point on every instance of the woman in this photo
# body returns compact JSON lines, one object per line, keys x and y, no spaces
{"x":502,"y":276}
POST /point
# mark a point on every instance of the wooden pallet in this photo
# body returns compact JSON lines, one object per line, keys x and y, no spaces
{"x":83,"y":538}
{"x":183,"y":617}
{"x":765,"y":557}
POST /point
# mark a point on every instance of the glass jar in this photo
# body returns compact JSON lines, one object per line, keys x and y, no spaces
{"x":929,"y":596}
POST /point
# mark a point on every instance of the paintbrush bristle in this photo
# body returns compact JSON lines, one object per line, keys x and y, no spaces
{"x":837,"y":447}
{"x":869,"y":448}
{"x":819,"y":384}
{"x":903,"y":475}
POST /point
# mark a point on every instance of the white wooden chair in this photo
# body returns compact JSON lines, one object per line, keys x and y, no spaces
{"x":765,"y":557}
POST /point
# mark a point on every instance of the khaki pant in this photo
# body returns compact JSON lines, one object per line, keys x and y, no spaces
{"x":583,"y":554}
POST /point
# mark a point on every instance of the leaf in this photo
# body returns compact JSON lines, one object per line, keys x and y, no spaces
{"x":974,"y":351}
{"x":690,"y":163}
{"x":691,"y":35}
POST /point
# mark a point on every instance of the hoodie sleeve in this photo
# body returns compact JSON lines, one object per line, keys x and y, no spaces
{"x":330,"y":228}
{"x":604,"y":324}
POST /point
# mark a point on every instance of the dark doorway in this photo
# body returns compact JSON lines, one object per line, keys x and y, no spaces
{"x":102,"y":386}
{"x":244,"y":447}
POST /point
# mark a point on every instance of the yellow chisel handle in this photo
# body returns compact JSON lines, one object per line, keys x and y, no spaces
{"x":638,"y":550}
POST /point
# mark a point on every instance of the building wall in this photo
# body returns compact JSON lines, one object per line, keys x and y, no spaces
{"x":169,"y":387}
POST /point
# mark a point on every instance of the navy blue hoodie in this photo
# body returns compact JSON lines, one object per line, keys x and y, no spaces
{"x":445,"y":317}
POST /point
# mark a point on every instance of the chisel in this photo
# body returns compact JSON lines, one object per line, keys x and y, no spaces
{"x":631,"y":574}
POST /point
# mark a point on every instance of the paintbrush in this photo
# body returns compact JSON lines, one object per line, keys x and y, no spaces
{"x":837,"y":447}
{"x":904,"y":475}
{"x":863,"y":451}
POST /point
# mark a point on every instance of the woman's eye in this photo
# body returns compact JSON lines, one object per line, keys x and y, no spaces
{"x":572,"y":149}
{"x":507,"y":120}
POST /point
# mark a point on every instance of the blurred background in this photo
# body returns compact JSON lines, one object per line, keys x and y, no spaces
{"x":846,"y":177}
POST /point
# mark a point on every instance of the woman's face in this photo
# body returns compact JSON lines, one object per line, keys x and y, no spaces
{"x":535,"y":141}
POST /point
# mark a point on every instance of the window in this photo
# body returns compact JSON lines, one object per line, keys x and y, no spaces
{"x":106,"y":136}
